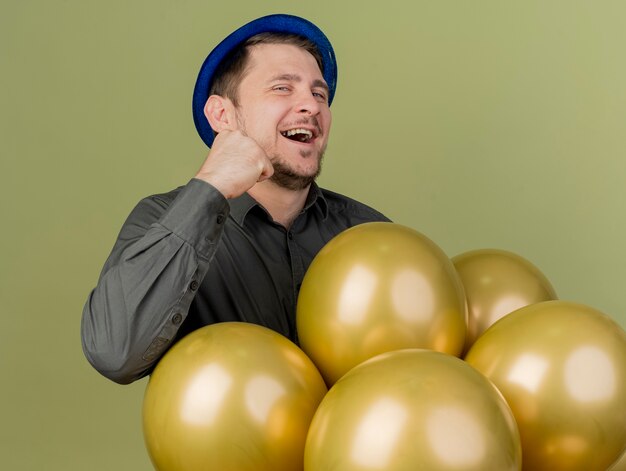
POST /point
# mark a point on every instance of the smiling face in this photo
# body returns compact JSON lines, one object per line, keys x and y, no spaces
{"x":283,"y":106}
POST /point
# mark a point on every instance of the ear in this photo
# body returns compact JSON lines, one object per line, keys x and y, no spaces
{"x":220,"y":113}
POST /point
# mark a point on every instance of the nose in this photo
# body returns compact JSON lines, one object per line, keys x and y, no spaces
{"x":307,"y":104}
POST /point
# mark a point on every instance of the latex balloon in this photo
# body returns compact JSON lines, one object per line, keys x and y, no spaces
{"x":620,"y":464}
{"x":231,"y":396}
{"x":410,"y":410}
{"x":562,"y":368}
{"x":375,"y":288}
{"x":497,"y":283}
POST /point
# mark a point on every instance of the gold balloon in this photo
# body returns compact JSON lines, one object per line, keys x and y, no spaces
{"x":497,"y":283}
{"x":562,"y":368}
{"x":413,"y":410}
{"x":375,"y":288}
{"x":620,"y":464}
{"x":231,"y":396}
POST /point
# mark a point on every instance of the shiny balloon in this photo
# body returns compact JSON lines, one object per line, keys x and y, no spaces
{"x":231,"y":396}
{"x":620,"y":464}
{"x":562,"y":368}
{"x":411,"y":410}
{"x":498,"y":282}
{"x":375,"y":288}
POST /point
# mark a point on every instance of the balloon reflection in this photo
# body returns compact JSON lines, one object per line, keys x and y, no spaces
{"x":412,"y":297}
{"x":529,"y":371}
{"x":503,"y":306}
{"x":378,"y":433}
{"x":204,"y":395}
{"x":356,"y":294}
{"x":261,"y":394}
{"x":590,"y":375}
{"x":570,"y":446}
{"x":456,"y":436}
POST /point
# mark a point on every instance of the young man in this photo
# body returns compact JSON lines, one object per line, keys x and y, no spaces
{"x":234,"y":243}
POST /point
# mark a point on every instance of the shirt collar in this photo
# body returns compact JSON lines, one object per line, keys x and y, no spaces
{"x":241,"y":206}
{"x":314,"y":197}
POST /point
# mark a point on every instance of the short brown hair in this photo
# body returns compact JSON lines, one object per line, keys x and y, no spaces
{"x":232,"y":69}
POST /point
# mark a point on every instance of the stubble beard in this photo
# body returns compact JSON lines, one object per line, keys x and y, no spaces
{"x":286,"y":177}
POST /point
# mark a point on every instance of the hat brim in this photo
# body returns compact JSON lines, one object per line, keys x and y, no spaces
{"x":281,"y":23}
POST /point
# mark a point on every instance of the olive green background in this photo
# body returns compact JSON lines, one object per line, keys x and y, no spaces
{"x":483,"y":124}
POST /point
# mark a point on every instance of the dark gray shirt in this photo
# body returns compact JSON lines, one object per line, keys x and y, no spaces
{"x":189,"y":258}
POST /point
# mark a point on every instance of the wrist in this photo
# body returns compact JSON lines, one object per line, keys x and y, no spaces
{"x":216,"y":183}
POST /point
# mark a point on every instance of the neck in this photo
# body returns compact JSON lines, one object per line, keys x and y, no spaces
{"x":283,"y":205}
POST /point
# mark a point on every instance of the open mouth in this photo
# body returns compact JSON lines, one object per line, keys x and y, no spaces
{"x":298,"y":134}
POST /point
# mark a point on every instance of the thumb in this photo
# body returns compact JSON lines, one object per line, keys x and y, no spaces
{"x":268,"y":170}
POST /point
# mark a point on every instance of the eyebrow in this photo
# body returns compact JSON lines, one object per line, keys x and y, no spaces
{"x":296,"y":78}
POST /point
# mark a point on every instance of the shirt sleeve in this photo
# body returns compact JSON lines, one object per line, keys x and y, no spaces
{"x":150,"y":279}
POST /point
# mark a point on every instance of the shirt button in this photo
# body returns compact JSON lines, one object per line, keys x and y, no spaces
{"x":177,"y":318}
{"x":290,"y":235}
{"x":194,"y":285}
{"x":220,"y":218}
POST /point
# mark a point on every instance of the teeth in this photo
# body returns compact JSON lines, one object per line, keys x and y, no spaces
{"x":293,"y":132}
